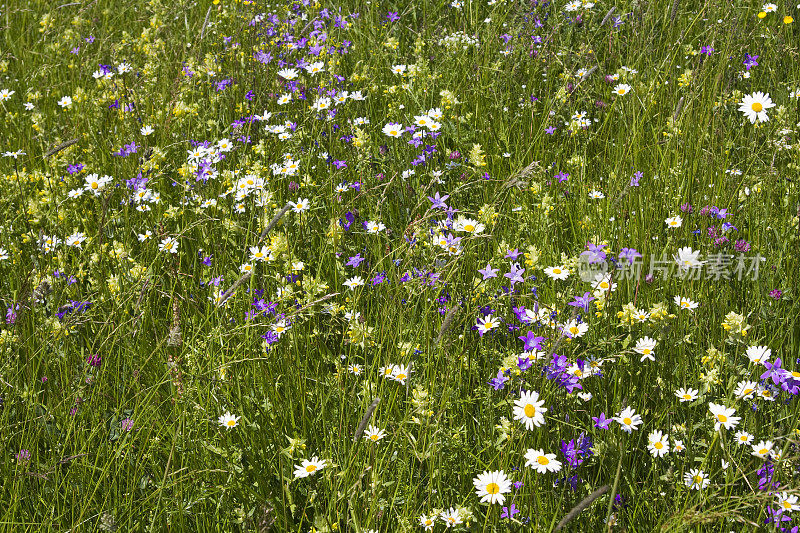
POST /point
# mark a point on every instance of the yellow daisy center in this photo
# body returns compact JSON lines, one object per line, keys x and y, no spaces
{"x":401,"y":376}
{"x":787,"y":505}
{"x":574,"y":330}
{"x":530,"y":411}
{"x":492,"y":488}
{"x":763,"y":451}
{"x":231,"y":423}
{"x":311,"y":468}
{"x":95,"y":185}
{"x":757,"y":107}
{"x":542,"y":460}
{"x":698,"y":479}
{"x":722,"y":418}
{"x":556,"y":271}
{"x":658,"y":445}
{"x":627,"y":421}
{"x":687,"y":396}
{"x":469,"y":227}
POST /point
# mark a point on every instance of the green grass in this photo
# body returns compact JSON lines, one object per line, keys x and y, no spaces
{"x":134,"y":443}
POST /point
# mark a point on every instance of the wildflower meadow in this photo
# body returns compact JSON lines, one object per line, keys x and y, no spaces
{"x":383,"y":266}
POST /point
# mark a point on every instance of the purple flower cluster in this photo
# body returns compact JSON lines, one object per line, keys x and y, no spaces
{"x":576,"y":452}
{"x":557,"y":371}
